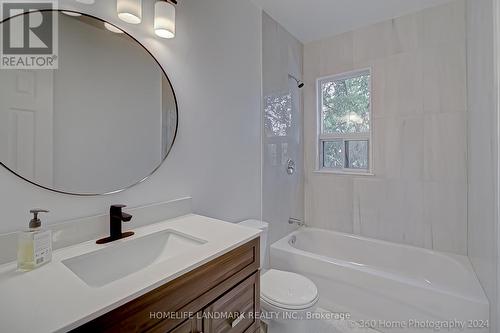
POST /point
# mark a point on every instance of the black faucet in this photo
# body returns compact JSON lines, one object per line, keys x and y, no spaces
{"x":116,"y":217}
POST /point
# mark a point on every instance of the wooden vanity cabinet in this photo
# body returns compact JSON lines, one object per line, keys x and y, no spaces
{"x":221,"y":296}
{"x":192,"y":325}
{"x":241,"y":302}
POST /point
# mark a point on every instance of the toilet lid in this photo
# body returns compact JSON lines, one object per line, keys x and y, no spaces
{"x":288,"y":290}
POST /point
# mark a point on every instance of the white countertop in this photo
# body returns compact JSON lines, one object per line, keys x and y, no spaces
{"x":53,"y":299}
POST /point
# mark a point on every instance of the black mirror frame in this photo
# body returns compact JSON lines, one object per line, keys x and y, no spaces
{"x":173,"y":92}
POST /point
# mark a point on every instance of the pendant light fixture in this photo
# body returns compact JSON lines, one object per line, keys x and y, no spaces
{"x":129,"y":11}
{"x":164,"y":24}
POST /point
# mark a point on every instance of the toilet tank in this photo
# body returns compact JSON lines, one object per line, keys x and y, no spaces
{"x":264,"y":226}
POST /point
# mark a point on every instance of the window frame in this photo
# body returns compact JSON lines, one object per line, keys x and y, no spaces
{"x":321,"y":137}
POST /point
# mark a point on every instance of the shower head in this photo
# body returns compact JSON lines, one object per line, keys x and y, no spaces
{"x":300,"y":84}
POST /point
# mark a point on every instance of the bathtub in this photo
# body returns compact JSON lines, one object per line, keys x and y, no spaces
{"x":386,"y":286}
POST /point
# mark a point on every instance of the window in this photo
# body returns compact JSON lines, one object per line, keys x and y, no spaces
{"x":345,"y":129}
{"x":277,"y":114}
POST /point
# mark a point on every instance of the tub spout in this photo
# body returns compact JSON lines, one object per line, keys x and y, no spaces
{"x":298,"y":222}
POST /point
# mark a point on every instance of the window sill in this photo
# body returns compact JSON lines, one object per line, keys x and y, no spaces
{"x":344,"y":173}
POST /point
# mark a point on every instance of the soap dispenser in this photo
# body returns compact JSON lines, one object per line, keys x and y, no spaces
{"x":34,"y":245}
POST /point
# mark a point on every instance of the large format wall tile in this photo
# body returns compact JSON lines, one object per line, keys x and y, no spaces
{"x":412,"y":148}
{"x":282,"y":194}
{"x":444,"y":24}
{"x":403,"y":84}
{"x":446,"y":212}
{"x":327,"y":57}
{"x":419,"y":192}
{"x":390,"y":210}
{"x":482,"y":135}
{"x":445,"y":144}
{"x":407,"y":33}
{"x":387,"y":147}
{"x":329,"y":202}
{"x":444,"y":79}
{"x":373,"y":42}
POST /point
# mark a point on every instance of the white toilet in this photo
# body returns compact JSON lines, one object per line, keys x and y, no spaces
{"x":285,"y":297}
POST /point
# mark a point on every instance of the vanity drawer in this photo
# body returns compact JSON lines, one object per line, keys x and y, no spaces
{"x":235,"y":311}
{"x":192,"y":325}
{"x":189,"y":293}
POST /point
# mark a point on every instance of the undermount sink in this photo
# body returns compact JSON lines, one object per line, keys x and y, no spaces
{"x":119,"y":260}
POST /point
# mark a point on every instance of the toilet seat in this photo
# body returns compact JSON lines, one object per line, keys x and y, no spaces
{"x":287,"y":290}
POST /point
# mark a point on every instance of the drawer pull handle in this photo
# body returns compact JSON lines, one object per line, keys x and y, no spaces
{"x":238,"y":320}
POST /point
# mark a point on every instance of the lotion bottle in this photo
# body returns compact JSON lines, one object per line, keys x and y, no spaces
{"x":34,"y":245}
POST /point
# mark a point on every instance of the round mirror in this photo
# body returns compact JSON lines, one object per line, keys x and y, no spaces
{"x":102,"y":121}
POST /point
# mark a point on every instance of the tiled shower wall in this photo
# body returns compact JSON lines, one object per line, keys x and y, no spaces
{"x":418,"y":194}
{"x":482,"y":118}
{"x":282,"y":194}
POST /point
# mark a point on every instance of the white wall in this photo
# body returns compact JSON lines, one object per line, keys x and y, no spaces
{"x":418,"y":195}
{"x":214,"y":65}
{"x":283,"y":194}
{"x":483,"y":146}
{"x":93,"y":90}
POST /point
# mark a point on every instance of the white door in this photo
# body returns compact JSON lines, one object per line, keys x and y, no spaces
{"x":26,"y":123}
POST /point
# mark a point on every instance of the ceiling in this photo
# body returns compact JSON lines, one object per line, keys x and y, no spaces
{"x":310,"y":20}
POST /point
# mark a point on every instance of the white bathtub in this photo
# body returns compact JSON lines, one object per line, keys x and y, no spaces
{"x":393,"y":287}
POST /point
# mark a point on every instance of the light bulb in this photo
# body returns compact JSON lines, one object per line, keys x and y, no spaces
{"x":129,"y":11}
{"x":112,"y":28}
{"x":71,"y":13}
{"x":164,"y":19}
